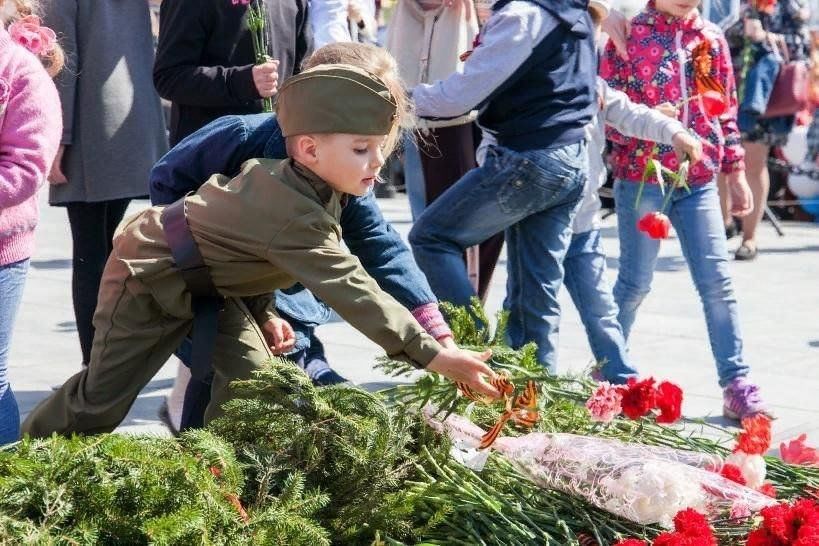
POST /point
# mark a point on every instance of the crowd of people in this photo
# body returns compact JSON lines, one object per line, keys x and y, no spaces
{"x":505,"y":113}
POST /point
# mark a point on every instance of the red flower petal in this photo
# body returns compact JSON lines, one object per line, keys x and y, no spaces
{"x":669,"y":402}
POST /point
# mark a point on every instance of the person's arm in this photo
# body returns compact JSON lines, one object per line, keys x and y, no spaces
{"x":61,"y":17}
{"x":507,"y":41}
{"x":219,"y":147}
{"x":389,"y":261}
{"x":328,"y":20}
{"x":178,"y":74}
{"x":29,"y":137}
{"x":308,"y":249}
{"x":733,"y":159}
{"x":638,"y":120}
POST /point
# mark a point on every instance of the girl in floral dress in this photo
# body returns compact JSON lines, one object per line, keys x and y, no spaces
{"x":675,"y":56}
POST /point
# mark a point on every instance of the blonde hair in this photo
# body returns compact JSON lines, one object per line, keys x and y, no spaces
{"x":54,"y":60}
{"x":378,"y":62}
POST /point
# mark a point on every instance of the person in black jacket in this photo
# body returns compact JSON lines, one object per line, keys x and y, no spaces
{"x":205,"y":59}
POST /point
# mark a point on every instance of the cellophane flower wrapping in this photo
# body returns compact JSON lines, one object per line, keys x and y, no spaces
{"x":641,"y":483}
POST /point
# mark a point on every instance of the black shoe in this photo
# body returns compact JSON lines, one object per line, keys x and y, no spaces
{"x":731,"y":231}
{"x":165,"y":417}
{"x":327,"y":377}
{"x":745,"y":253}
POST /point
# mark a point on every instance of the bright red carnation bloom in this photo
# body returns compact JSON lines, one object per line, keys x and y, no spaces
{"x":755,"y":438}
{"x":631,"y":542}
{"x":681,"y":539}
{"x":669,"y":402}
{"x":761,"y":537}
{"x":732,"y":472}
{"x":639,"y":397}
{"x":768,"y":489}
{"x":655,"y":224}
{"x":714,"y":103}
{"x":691,"y":522}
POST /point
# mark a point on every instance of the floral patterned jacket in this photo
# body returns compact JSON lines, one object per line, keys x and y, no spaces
{"x":661,"y":68}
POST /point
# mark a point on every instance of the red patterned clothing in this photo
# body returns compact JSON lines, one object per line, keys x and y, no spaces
{"x":661,"y":69}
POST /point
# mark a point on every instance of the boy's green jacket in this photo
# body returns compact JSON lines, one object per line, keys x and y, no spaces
{"x":273,"y":225}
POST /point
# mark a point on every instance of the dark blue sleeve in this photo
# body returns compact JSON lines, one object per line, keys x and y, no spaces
{"x":382,"y":252}
{"x":219,"y":147}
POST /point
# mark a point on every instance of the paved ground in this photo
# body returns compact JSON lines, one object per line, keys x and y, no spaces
{"x":779,"y":311}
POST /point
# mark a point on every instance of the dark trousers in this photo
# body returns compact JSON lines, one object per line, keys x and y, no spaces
{"x":448,"y":153}
{"x":92,"y":229}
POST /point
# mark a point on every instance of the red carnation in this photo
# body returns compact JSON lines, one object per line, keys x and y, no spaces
{"x":761,"y":537}
{"x":768,"y":489}
{"x":755,"y":438}
{"x":669,"y":402}
{"x":732,"y":472}
{"x":690,"y":522}
{"x":639,"y":397}
{"x":631,"y":542}
{"x":655,"y":224}
{"x":714,"y":103}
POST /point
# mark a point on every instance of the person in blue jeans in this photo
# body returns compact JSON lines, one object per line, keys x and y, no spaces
{"x":533,"y":79}
{"x":221,"y":147}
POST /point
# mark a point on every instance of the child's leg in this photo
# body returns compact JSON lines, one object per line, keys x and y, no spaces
{"x":585,"y":279}
{"x":537,"y":244}
{"x":240,"y":349}
{"x":698,"y":222}
{"x":12,"y":280}
{"x":638,"y":252}
{"x":134,"y":337}
{"x":468,"y":213}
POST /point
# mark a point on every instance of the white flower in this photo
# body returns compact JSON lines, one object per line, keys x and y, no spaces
{"x":752,"y":467}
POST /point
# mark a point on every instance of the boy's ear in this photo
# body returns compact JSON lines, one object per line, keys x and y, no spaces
{"x":306,"y":149}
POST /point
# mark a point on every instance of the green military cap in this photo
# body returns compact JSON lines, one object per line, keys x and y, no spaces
{"x":335,"y":98}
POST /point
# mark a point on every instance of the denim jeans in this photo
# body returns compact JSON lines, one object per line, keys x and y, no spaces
{"x":12,"y":279}
{"x":698,"y":222}
{"x":533,"y":196}
{"x":585,"y":279}
{"x":414,"y":177}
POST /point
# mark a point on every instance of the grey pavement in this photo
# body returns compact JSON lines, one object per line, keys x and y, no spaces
{"x":778,"y":296}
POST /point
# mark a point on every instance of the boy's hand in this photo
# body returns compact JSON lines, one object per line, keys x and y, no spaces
{"x":466,"y":367}
{"x":687,"y":144}
{"x":667,"y":109}
{"x":266,"y":78}
{"x":279,"y":335}
{"x":742,"y":200}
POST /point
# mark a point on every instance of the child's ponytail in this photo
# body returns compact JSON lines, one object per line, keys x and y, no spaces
{"x":24,"y":27}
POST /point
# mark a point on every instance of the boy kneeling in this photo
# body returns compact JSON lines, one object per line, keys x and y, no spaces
{"x":273,"y":225}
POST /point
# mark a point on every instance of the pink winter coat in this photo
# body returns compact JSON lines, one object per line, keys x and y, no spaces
{"x":30,"y":129}
{"x":660,"y":69}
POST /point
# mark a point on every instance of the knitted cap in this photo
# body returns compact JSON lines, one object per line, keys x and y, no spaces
{"x":335,"y":98}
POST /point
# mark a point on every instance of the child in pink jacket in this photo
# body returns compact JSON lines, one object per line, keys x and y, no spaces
{"x":675,"y":56}
{"x":30,"y":129}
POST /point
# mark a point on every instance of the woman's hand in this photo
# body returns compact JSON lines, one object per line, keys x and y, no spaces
{"x":742,"y":200}
{"x":618,"y":27}
{"x":279,"y":335}
{"x":266,"y":78}
{"x":468,"y":367}
{"x":754,"y":31}
{"x":56,"y":175}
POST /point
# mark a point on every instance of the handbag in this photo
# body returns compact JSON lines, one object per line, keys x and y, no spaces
{"x":791,"y":90}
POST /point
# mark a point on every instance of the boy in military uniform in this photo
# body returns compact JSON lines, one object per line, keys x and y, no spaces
{"x":273,"y":225}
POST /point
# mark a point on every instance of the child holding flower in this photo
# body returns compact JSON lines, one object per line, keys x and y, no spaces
{"x":676,"y":56}
{"x":30,"y":128}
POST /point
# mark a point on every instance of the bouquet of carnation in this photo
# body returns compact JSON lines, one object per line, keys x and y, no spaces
{"x":256,"y":22}
{"x":644,"y":484}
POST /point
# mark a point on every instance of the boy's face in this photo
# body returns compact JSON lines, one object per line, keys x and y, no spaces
{"x":348,"y":163}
